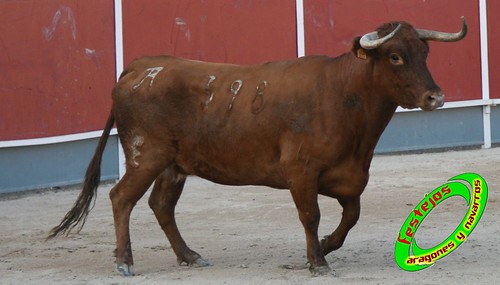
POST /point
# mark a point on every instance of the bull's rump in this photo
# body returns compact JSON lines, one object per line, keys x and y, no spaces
{"x":227,"y":123}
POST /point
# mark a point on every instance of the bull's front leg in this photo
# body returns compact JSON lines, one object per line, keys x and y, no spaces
{"x":350,"y":216}
{"x":305,"y":195}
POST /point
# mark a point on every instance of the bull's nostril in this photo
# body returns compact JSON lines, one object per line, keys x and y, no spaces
{"x":432,"y":100}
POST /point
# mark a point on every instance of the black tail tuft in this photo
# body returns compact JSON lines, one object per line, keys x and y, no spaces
{"x":85,"y":202}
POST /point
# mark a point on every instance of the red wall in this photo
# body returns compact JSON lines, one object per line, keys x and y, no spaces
{"x":332,"y":24}
{"x":232,"y":31}
{"x":494,"y":47}
{"x":57,"y":56}
{"x":56,"y":66}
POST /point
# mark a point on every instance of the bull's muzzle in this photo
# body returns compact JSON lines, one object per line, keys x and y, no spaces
{"x":432,"y":100}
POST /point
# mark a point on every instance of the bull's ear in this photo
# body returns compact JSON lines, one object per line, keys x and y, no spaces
{"x":358,"y":50}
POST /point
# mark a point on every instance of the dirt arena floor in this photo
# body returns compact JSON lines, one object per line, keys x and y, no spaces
{"x":252,"y":235}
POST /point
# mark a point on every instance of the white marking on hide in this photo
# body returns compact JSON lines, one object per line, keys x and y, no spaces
{"x":152,"y":73}
{"x":63,"y":16}
{"x":235,"y":88}
{"x":258,"y":100}
{"x":137,"y":142}
{"x":211,"y":79}
{"x":261,"y":87}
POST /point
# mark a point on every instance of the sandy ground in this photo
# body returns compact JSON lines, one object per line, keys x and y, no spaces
{"x":252,"y":234}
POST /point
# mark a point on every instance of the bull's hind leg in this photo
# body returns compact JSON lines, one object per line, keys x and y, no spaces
{"x":350,"y":215}
{"x":142,"y":168}
{"x":166,"y":192}
{"x":123,"y":199}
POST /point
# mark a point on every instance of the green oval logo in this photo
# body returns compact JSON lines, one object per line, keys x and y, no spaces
{"x":409,"y":256}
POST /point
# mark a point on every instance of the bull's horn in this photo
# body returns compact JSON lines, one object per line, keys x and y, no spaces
{"x":372,"y":41}
{"x":443,"y":37}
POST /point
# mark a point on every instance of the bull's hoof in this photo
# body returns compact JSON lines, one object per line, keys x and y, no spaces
{"x":322,"y":270}
{"x":125,"y":270}
{"x":329,"y":244}
{"x":198,"y":262}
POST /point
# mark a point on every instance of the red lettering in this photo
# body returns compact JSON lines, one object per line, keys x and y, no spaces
{"x":403,"y":240}
{"x":414,"y":222}
{"x":437,"y":196}
{"x":417,"y":212}
{"x":432,"y":202}
{"x":446,"y":190}
{"x":409,"y":232}
{"x":425,"y":207}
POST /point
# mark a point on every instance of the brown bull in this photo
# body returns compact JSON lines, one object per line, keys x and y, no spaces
{"x":309,"y":125}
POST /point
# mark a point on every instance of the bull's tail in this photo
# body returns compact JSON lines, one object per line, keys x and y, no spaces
{"x":78,"y":214}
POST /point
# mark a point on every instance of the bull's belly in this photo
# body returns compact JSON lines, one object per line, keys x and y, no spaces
{"x":234,"y":171}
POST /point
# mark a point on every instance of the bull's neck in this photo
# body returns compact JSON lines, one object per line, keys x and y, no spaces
{"x":364,"y":99}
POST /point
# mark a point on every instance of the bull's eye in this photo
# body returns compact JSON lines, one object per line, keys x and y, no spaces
{"x":396,"y":59}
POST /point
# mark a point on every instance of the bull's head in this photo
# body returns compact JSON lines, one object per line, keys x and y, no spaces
{"x":398,"y":54}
